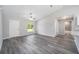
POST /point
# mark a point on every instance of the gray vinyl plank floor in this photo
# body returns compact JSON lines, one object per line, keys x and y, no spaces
{"x":39,"y":44}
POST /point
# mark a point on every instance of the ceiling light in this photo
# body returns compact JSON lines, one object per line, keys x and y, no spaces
{"x":65,"y":17}
{"x":66,"y":23}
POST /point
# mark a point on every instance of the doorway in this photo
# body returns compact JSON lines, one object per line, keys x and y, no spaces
{"x":60,"y":27}
{"x":64,"y":25}
{"x":14,"y":28}
{"x":68,"y":27}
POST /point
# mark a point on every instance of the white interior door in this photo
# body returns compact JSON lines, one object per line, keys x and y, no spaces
{"x":14,"y":28}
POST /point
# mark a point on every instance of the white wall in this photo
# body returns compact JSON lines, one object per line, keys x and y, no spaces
{"x":22,"y":27}
{"x":5,"y":25}
{"x":60,"y":27}
{"x":46,"y":26}
{"x":14,"y":28}
{"x":1,"y":40}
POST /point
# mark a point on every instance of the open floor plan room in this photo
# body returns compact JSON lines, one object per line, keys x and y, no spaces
{"x":39,"y":29}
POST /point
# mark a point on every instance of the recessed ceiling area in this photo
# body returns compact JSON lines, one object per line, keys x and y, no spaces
{"x":24,"y":11}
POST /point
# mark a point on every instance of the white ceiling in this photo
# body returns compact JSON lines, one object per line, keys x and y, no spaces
{"x":22,"y":11}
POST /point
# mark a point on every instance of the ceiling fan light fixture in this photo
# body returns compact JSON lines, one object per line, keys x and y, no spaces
{"x":31,"y":17}
{"x":30,"y":13}
{"x":51,"y":6}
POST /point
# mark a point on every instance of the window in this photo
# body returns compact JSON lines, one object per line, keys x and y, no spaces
{"x":30,"y":26}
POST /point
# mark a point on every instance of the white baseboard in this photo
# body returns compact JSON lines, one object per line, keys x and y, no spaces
{"x":47,"y":35}
{"x":12,"y":37}
{"x":17,"y":36}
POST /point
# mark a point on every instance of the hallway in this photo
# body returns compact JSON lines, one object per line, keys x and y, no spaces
{"x":39,"y":44}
